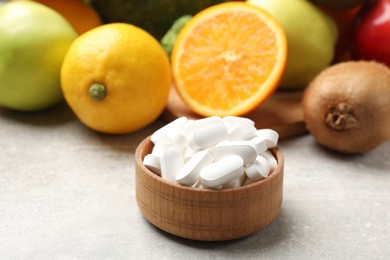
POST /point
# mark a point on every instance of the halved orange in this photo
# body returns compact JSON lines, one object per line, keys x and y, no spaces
{"x":228,"y":59}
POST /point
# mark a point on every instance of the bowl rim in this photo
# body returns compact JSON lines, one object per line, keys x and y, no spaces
{"x":277,"y":152}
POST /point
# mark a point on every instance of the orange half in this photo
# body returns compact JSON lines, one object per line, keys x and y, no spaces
{"x":228,"y":59}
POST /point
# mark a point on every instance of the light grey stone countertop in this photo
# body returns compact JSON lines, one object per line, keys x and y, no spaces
{"x":67,"y":192}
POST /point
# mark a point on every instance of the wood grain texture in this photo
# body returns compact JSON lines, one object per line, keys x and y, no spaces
{"x":208,"y":215}
{"x":282,"y":112}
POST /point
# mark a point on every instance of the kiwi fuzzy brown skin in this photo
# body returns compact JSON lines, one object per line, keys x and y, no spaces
{"x":347,"y":106}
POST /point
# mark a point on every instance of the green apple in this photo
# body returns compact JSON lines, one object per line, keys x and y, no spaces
{"x":34,"y":42}
{"x":311,"y":37}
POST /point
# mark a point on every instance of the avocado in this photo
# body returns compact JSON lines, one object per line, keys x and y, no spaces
{"x":154,"y":16}
{"x":168,"y":40}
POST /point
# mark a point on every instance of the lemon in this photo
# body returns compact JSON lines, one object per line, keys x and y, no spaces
{"x":34,"y":41}
{"x":116,"y":78}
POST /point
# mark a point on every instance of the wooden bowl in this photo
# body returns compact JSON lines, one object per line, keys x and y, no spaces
{"x":203,"y":214}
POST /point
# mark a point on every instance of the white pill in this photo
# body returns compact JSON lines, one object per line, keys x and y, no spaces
{"x":200,"y":123}
{"x":198,"y":184}
{"x":233,"y":121}
{"x":261,"y":144}
{"x":157,"y":136}
{"x":159,"y":147}
{"x":188,"y":153}
{"x":207,"y":136}
{"x":242,"y":132}
{"x":175,"y":137}
{"x":152,"y":162}
{"x":270,"y":136}
{"x":189,"y":174}
{"x":236,"y":183}
{"x":222,"y":171}
{"x":258,"y":170}
{"x":271,"y":160}
{"x":171,"y":161}
{"x":175,"y":124}
{"x":245,"y":149}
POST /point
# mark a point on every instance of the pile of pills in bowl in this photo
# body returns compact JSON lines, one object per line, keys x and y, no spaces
{"x":212,"y":152}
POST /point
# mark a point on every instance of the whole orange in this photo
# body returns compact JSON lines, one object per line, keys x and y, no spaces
{"x":116,"y":78}
{"x":79,"y":14}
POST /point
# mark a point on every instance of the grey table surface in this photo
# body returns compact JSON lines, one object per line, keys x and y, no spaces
{"x":67,"y":192}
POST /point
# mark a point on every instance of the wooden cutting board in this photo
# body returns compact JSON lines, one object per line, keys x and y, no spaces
{"x":282,"y":112}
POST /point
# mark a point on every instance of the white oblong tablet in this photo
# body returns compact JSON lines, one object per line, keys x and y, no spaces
{"x":271,"y":159}
{"x":178,"y":123}
{"x":152,"y":162}
{"x":200,"y":123}
{"x":171,"y":161}
{"x":188,"y":153}
{"x":175,"y":137}
{"x":222,"y":171}
{"x":236,"y":183}
{"x":233,"y":121}
{"x":258,"y":170}
{"x":270,"y":136}
{"x":260,"y":143}
{"x":159,"y":147}
{"x":242,"y":132}
{"x":207,"y":136}
{"x":197,"y":184}
{"x":189,"y":174}
{"x":245,"y":149}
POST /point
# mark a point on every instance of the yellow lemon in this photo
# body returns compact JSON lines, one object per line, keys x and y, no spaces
{"x":116,"y":78}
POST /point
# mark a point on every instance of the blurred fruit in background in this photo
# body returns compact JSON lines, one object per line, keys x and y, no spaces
{"x":311,"y":36}
{"x":34,"y":41}
{"x":79,"y":14}
{"x":345,"y":20}
{"x":372,"y":33}
{"x":169,"y":39}
{"x":341,"y":4}
{"x":116,"y":78}
{"x":155,"y":16}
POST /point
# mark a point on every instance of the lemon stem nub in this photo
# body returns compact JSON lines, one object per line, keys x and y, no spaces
{"x":97,"y":91}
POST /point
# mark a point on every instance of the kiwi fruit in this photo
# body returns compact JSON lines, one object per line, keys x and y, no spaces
{"x":347,"y":106}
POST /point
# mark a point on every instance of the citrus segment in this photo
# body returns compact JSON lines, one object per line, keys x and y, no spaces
{"x":228,"y":59}
{"x":116,"y":78}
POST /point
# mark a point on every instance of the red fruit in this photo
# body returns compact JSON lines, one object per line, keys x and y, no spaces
{"x":372,"y":33}
{"x":345,"y":19}
{"x":340,"y":4}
